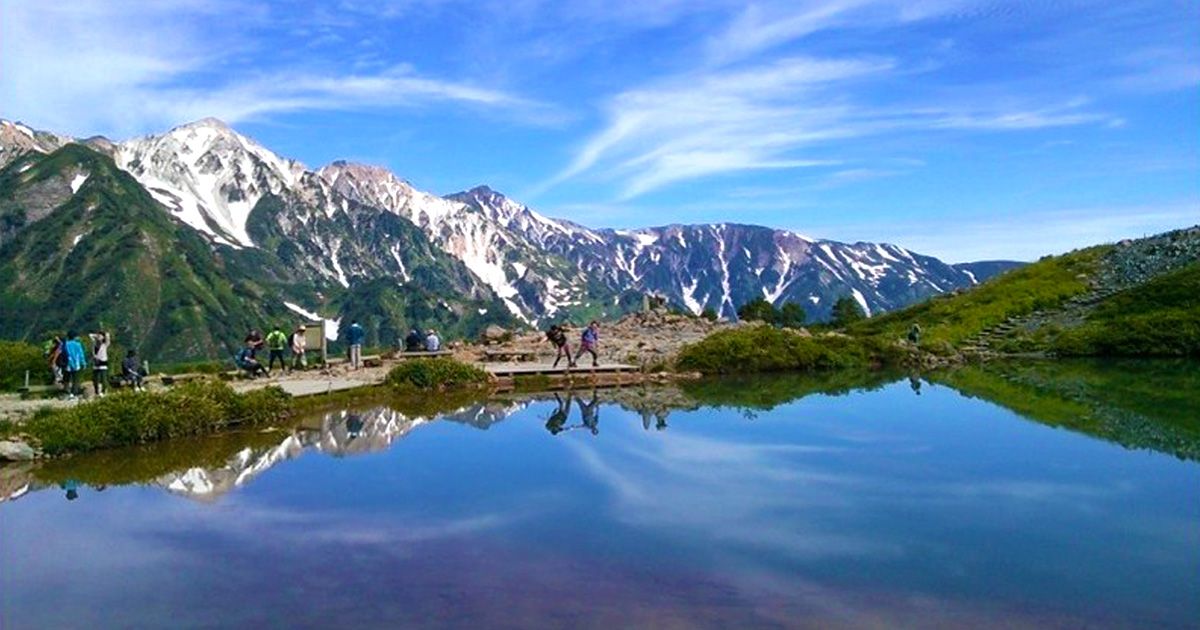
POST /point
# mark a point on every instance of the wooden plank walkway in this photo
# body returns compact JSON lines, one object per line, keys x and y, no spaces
{"x":504,"y":370}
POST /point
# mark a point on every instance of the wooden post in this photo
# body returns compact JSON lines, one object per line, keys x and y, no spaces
{"x":27,"y":380}
{"x":324,"y":342}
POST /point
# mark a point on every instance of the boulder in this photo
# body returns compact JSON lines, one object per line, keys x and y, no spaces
{"x":496,"y":334}
{"x":16,"y":451}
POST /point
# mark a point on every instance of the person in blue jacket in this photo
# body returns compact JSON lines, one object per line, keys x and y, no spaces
{"x":76,"y":362}
{"x":354,"y":336}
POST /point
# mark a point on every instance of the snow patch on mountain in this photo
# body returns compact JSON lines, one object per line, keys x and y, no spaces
{"x":77,"y":181}
{"x":208,"y":175}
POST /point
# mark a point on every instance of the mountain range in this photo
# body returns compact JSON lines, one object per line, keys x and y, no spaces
{"x":180,"y":242}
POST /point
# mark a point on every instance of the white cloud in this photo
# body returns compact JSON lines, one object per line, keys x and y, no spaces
{"x":782,"y":114}
{"x":121,"y":68}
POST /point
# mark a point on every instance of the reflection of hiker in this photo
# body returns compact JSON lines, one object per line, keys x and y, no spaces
{"x":246,"y":361}
{"x":914,"y":382}
{"x":588,"y":341}
{"x":276,"y":342}
{"x":432,"y":342}
{"x":414,"y":342}
{"x":72,"y":488}
{"x":299,"y":345}
{"x":662,"y":421}
{"x":354,"y":425}
{"x":76,"y":361}
{"x":590,"y":413}
{"x":558,"y":420}
{"x":914,"y":333}
{"x":131,"y":372}
{"x":354,"y":336}
{"x":558,"y":338}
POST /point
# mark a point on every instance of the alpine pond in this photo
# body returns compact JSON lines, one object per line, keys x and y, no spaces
{"x":1033,"y":495}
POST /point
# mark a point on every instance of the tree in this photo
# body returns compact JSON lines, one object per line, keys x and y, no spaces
{"x":758,"y":310}
{"x":791,"y":315}
{"x":846,"y":311}
{"x":709,"y":313}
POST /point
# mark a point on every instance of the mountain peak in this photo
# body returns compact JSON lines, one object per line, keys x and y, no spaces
{"x":207,"y":122}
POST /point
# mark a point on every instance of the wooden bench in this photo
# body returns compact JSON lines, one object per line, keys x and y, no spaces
{"x":422,"y":354}
{"x":509,"y":355}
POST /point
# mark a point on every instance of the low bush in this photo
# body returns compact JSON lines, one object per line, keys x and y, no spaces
{"x":17,"y":357}
{"x":769,"y":349}
{"x":126,"y":417}
{"x":436,"y":373}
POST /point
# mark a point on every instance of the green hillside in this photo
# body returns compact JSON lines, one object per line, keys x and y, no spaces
{"x":83,"y":245}
{"x":1135,"y":298}
{"x":107,"y":255}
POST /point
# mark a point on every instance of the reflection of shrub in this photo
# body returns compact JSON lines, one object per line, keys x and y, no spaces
{"x":15,"y":358}
{"x":435,"y":374}
{"x":531,"y":382}
{"x":126,"y":417}
{"x":766,"y":349}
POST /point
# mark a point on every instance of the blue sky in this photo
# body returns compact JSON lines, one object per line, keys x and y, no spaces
{"x":964,"y":129}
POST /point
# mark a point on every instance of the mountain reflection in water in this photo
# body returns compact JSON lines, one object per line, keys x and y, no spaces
{"x":1021,"y":495}
{"x":1088,"y":397}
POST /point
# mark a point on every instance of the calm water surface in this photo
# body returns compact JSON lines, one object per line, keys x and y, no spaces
{"x":739,"y":504}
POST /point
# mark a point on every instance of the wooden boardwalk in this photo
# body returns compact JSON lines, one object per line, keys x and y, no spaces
{"x":508,"y":370}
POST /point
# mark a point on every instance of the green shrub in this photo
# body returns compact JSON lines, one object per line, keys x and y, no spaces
{"x":769,"y":349}
{"x":436,"y":373}
{"x":16,"y":357}
{"x":127,"y":417}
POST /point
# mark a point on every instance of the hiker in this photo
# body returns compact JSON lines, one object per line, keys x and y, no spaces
{"x":557,"y":336}
{"x":432,"y":342}
{"x":414,"y":342}
{"x":355,"y":335}
{"x":276,"y":342}
{"x":254,"y":340}
{"x":914,"y":334}
{"x":76,"y":360}
{"x":53,"y":351}
{"x":99,"y":362}
{"x":246,"y":361}
{"x":587,"y":343}
{"x":131,"y":372}
{"x":299,"y":346}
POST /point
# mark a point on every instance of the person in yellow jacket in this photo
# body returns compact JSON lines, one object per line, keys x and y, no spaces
{"x":276,"y":343}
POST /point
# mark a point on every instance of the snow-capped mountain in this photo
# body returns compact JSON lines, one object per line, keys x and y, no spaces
{"x":496,"y":242}
{"x":363,"y":231}
{"x":723,"y":266}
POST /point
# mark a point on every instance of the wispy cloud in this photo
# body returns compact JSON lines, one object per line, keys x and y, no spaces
{"x":123,"y":67}
{"x":783,"y":114}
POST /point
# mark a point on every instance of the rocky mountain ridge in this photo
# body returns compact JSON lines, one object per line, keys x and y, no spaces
{"x":349,"y":239}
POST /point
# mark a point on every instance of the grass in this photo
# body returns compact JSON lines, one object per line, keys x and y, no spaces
{"x":1158,"y":318}
{"x":435,"y":373}
{"x":126,"y":418}
{"x":768,"y":349}
{"x":949,"y":319}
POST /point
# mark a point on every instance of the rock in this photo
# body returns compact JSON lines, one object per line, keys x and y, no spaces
{"x":16,"y":451}
{"x":495,"y":334}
